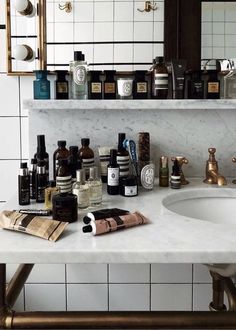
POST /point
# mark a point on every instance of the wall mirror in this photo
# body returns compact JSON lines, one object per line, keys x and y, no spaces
{"x":25,"y":30}
{"x":111,"y":34}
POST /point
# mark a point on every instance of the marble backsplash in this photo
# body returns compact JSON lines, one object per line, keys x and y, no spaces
{"x":187,"y":132}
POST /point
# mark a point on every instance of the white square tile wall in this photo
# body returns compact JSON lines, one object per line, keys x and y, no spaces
{"x":102,"y":21}
{"x":218,"y":28}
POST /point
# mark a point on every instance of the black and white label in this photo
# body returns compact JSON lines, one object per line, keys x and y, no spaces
{"x":123,"y":162}
{"x":89,"y":162}
{"x":64,"y":183}
{"x":113,"y":176}
{"x":131,"y":190}
{"x":80,"y":75}
{"x":161,"y":81}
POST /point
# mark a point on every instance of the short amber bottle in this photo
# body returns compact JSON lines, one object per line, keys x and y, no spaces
{"x":86,"y":154}
{"x":60,"y":153}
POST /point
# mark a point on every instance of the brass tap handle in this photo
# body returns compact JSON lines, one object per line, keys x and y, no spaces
{"x":212,"y":152}
{"x":234,"y":161}
{"x":181,"y":160}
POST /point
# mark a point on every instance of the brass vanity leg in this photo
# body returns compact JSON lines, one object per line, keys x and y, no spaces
{"x":5,"y":312}
{"x":230,"y":291}
{"x":218,"y":288}
{"x":17,"y":283}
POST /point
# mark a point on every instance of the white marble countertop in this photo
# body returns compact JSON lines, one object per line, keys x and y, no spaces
{"x":128,"y":104}
{"x":167,"y":239}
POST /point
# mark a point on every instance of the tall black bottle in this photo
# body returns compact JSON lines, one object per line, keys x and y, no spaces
{"x":32,"y":174}
{"x":41,"y":182}
{"x":113,"y":174}
{"x":41,"y":154}
{"x":24,"y":185}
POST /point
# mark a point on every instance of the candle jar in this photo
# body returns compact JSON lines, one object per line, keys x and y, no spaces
{"x":41,"y":85}
{"x":125,"y":88}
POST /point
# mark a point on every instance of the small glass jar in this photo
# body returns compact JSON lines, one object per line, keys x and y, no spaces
{"x":129,"y":186}
{"x":41,"y":85}
{"x":124,"y":88}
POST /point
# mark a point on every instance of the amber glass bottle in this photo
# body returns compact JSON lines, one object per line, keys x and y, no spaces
{"x":63,"y":176}
{"x":60,"y":153}
{"x":159,"y":79}
{"x":86,"y":154}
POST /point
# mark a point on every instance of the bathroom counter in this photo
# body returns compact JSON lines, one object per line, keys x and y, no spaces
{"x":168,"y":238}
{"x":128,"y":104}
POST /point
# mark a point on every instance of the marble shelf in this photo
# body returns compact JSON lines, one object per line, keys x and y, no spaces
{"x":128,"y":104}
{"x":168,"y":238}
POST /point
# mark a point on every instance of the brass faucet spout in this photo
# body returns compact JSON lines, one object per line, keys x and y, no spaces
{"x":212,"y":174}
{"x":217,"y":178}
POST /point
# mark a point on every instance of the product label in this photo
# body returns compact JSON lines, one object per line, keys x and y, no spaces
{"x":62,"y":87}
{"x":89,"y":162}
{"x":213,"y":87}
{"x":125,"y":87}
{"x":40,"y":194}
{"x":64,"y":183}
{"x":123,"y":162}
{"x":161,"y":81}
{"x":82,"y":196}
{"x":80,"y":75}
{"x":142,"y":87}
{"x":131,"y":190}
{"x":109,"y":87}
{"x":113,"y":177}
{"x":96,"y":87}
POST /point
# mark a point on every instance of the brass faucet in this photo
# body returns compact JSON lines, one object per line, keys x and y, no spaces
{"x":212,"y":174}
{"x":181,"y":160}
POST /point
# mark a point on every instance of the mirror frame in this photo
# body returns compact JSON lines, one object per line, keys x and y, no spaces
{"x":183,"y":26}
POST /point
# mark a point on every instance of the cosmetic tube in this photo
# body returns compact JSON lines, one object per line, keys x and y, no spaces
{"x":104,"y":213}
{"x":42,"y":213}
{"x":178,"y":68}
{"x":112,"y":224}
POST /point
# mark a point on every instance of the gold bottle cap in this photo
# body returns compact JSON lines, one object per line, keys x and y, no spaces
{"x":163,"y":161}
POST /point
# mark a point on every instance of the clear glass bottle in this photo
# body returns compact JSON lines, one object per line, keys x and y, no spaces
{"x":50,"y":191}
{"x":95,"y":187}
{"x":230,"y":84}
{"x":81,"y":189}
{"x":78,"y":70}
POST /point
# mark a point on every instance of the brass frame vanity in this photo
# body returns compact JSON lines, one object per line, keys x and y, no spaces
{"x":218,"y":318}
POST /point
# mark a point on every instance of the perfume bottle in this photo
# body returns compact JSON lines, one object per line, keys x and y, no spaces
{"x":95,"y":187}
{"x":95,"y":85}
{"x":164,"y":172}
{"x":32,"y":174}
{"x":81,"y":190}
{"x":78,"y":69}
{"x":109,"y":86}
{"x":24,"y":185}
{"x":41,"y":182}
{"x":41,"y":85}
{"x":140,"y":87}
{"x":63,"y":176}
{"x":61,"y":85}
{"x":113,"y":174}
{"x":230,"y":84}
{"x":213,"y":85}
{"x":87,"y":156}
{"x":59,"y":153}
{"x":195,"y":86}
{"x":159,"y":79}
{"x":50,"y":191}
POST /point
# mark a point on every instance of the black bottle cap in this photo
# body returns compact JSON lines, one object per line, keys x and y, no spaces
{"x":83,"y":57}
{"x":52,"y":183}
{"x":63,"y":162}
{"x":176,"y":168}
{"x":33,"y":161}
{"x":77,"y":56}
{"x":95,"y":74}
{"x":140,"y":73}
{"x":73,"y":150}
{"x":109,"y":73}
{"x":61,"y":73}
{"x":87,"y":229}
{"x":61,"y":143}
{"x":23,"y":165}
{"x":41,"y":143}
{"x":86,"y":219}
{"x":159,"y":59}
{"x":85,"y":142}
{"x":121,"y":138}
{"x":113,"y":155}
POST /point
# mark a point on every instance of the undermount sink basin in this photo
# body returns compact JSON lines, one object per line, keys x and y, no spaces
{"x":217,"y":205}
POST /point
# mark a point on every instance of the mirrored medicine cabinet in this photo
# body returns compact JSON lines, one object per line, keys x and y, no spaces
{"x":188,"y":26}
